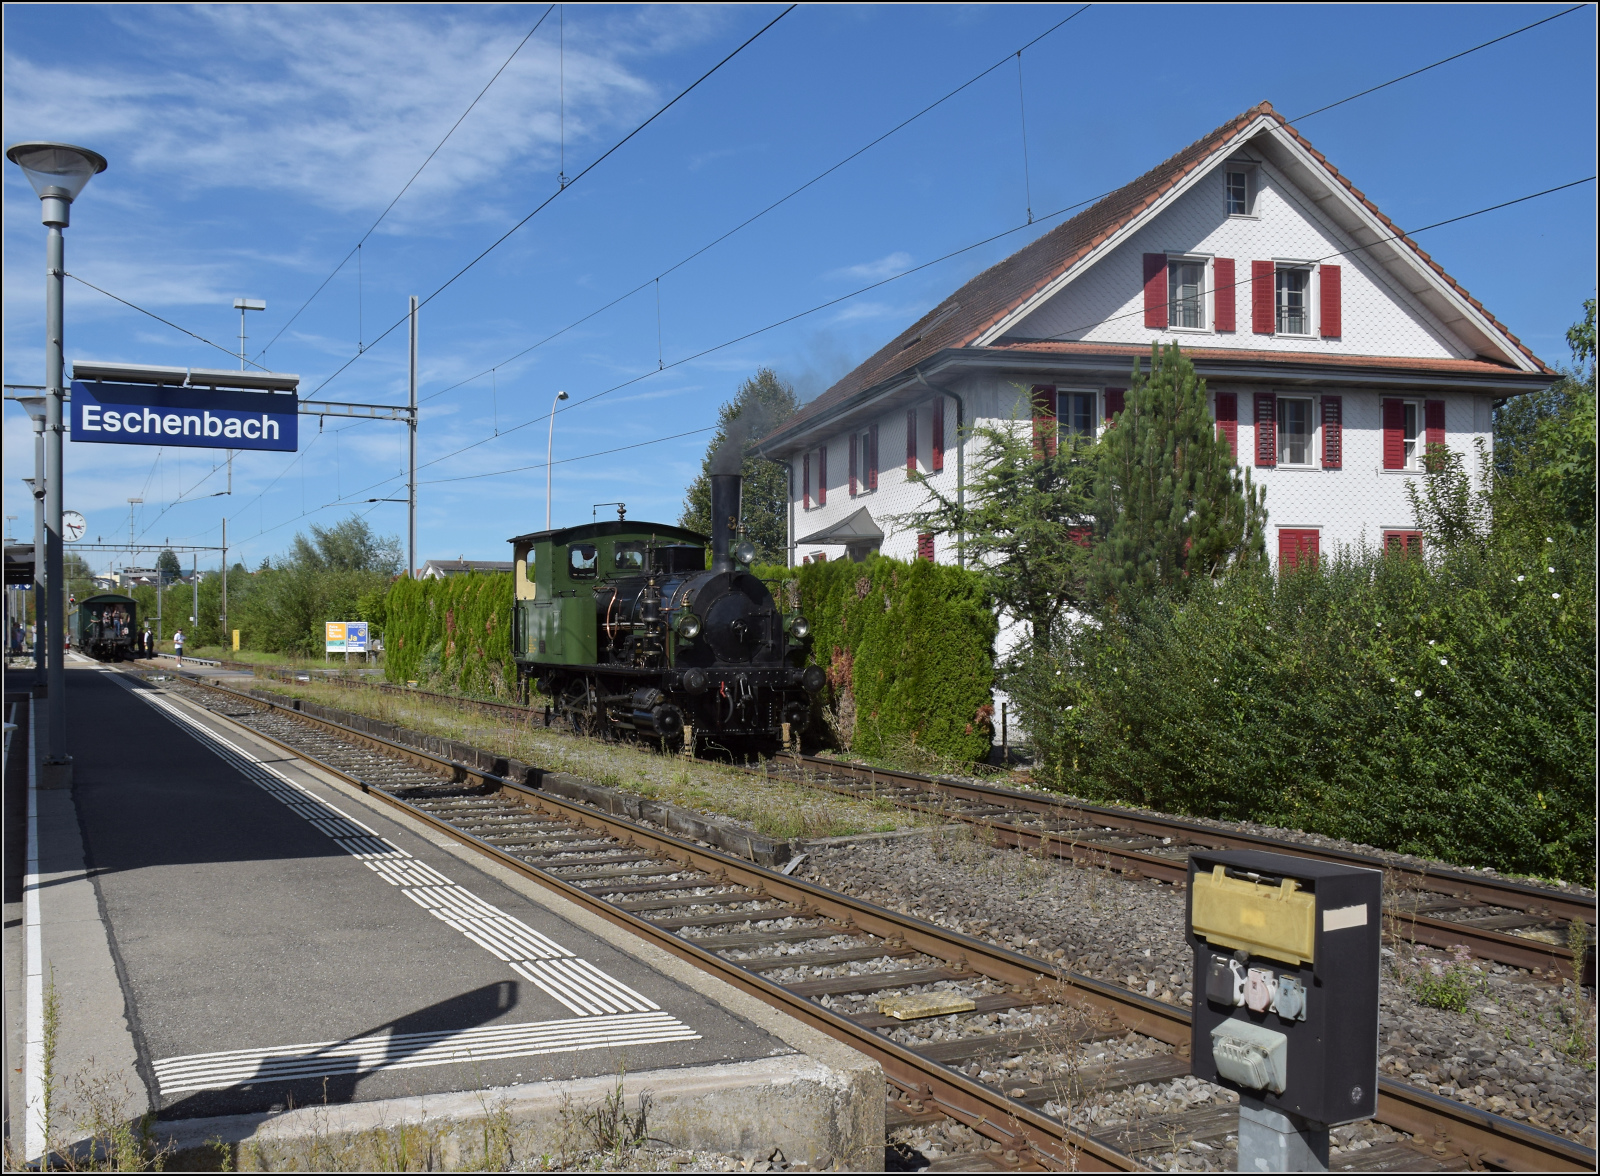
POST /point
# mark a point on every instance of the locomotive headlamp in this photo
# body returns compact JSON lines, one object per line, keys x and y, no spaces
{"x":800,"y":628}
{"x":688,"y":625}
{"x":745,"y":553}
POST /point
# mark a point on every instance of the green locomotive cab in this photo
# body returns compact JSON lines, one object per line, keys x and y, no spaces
{"x":624,"y":627}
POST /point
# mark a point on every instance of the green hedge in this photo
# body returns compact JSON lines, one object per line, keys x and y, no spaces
{"x":909,"y":651}
{"x":451,"y":634}
{"x":1443,"y":707}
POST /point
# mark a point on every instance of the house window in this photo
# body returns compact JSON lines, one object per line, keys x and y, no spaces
{"x":1297,"y":548}
{"x":1075,"y":415}
{"x":1186,"y":284}
{"x":1240,"y":202}
{"x":861,"y":444}
{"x":1294,"y":300}
{"x":1294,"y":431}
{"x":1405,"y":542}
{"x":1411,"y":435}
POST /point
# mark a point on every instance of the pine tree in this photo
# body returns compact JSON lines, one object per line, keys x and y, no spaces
{"x":1170,"y":501}
{"x":762,"y":403}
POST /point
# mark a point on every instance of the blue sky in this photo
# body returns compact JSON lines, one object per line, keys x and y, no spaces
{"x":251,"y":147}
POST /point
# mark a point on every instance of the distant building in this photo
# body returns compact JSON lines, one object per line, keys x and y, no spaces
{"x":438,"y":569}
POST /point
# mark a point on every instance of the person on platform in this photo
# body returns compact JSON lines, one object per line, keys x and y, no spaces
{"x":177,"y":643}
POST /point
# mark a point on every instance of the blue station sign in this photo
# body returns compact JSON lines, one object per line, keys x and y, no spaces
{"x":204,"y":418}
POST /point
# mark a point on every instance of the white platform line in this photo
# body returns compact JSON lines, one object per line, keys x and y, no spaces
{"x":575,"y":983}
{"x":403,"y":1051}
{"x":33,"y":968}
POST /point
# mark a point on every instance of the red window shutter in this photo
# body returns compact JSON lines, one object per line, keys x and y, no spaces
{"x":1297,"y":548}
{"x":822,"y":475}
{"x":1155,"y":290}
{"x":1405,"y":542}
{"x":936,"y":450}
{"x":1044,"y":421}
{"x":925,"y":546}
{"x":1078,"y":535}
{"x":805,"y":481}
{"x":1328,"y":299}
{"x":872,"y":456}
{"x":854,"y":484}
{"x":1433,"y":418}
{"x":1263,"y":297}
{"x":1228,"y":421}
{"x":1394,"y":435}
{"x":1115,"y":398}
{"x":1332,"y":432}
{"x":1266,"y":429}
{"x":1222,"y":295}
{"x":911,"y":441}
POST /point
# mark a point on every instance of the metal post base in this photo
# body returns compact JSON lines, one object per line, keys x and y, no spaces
{"x":55,"y":773}
{"x":1272,"y":1141}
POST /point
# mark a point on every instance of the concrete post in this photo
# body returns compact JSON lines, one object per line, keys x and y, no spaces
{"x":1271,"y":1141}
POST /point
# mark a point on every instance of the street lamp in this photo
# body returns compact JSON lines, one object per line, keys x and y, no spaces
{"x":549,"y":451}
{"x":58,"y":172}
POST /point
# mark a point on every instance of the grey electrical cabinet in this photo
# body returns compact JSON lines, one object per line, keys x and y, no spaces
{"x":1286,"y":981}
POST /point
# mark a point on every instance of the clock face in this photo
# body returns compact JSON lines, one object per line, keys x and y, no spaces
{"x":72,"y":526}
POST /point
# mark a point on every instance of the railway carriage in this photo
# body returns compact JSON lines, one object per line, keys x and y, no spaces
{"x":625,"y":628}
{"x":107,"y":627}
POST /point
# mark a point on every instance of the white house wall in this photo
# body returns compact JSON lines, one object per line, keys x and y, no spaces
{"x":1106,"y":302}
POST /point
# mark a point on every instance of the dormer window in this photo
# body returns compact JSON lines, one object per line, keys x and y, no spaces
{"x":1241,"y":185}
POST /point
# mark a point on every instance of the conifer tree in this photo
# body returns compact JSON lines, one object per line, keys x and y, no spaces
{"x":1170,"y":501}
{"x":763,"y":402}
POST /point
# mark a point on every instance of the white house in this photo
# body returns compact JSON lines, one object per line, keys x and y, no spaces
{"x":1334,"y":349}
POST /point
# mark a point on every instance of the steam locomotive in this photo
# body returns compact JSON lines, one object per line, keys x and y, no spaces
{"x":106,"y":627}
{"x":622,"y":625}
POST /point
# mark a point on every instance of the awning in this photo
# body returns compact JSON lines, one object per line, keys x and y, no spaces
{"x":858,"y":528}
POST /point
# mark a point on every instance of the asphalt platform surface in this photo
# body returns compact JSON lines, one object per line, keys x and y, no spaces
{"x":241,"y":926}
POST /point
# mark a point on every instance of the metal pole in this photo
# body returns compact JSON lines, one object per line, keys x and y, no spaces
{"x":194,"y":617}
{"x":58,"y":765}
{"x":549,"y":452}
{"x":226,"y":643}
{"x":41,"y":627}
{"x":411,"y":467}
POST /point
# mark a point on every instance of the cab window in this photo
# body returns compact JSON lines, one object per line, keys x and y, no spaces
{"x":581,"y":560}
{"x":629,"y":557}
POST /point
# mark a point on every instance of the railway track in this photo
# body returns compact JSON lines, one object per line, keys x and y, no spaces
{"x":1500,"y":920}
{"x":827,"y":959}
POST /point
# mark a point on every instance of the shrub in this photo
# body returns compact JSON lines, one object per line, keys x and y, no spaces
{"x":451,"y":634}
{"x":1442,"y":707}
{"x":908,"y":648}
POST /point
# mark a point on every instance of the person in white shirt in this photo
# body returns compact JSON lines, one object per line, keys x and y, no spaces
{"x":177,"y":643}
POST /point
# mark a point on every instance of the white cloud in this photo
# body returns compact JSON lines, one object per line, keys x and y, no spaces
{"x":874,"y":271}
{"x":337,"y":105}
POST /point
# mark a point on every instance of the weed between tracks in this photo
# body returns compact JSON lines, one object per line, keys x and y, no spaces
{"x":774,"y":808}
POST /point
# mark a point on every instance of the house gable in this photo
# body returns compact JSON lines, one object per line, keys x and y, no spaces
{"x":1102,"y":298}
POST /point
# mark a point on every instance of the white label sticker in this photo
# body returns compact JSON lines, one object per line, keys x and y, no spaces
{"x":1350,"y":916}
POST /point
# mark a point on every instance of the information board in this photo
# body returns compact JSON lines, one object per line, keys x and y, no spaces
{"x":333,"y":636}
{"x":355,"y":636}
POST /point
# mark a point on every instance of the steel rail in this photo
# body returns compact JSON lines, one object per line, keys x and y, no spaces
{"x":1400,"y":925}
{"x":1449,"y":1127}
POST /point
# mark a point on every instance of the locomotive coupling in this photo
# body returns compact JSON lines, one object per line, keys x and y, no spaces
{"x":812,"y":678}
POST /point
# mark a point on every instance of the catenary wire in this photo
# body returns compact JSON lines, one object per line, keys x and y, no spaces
{"x":750,"y":220}
{"x":556,"y":195}
{"x":864,"y":289}
{"x":1437,"y":64}
{"x":354,"y":252}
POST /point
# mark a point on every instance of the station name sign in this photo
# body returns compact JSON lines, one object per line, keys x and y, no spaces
{"x":204,"y":418}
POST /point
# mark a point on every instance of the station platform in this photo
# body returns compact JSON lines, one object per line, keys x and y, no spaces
{"x":231,"y":934}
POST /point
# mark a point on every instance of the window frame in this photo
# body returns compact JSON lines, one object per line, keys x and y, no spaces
{"x":861,"y":440}
{"x":1248,"y":171}
{"x":1063,"y":398}
{"x":1310,"y":462}
{"x":1415,"y":447}
{"x":592,"y":572}
{"x":1309,"y":269}
{"x":1207,"y":317}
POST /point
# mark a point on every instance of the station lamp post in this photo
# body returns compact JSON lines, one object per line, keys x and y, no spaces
{"x":35,"y":406}
{"x":549,"y":452}
{"x":58,"y":172}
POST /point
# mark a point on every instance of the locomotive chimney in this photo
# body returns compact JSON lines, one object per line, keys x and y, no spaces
{"x":725,"y":492}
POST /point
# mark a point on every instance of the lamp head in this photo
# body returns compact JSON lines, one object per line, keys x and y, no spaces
{"x":36,"y":407}
{"x":561,"y":396}
{"x":58,"y":172}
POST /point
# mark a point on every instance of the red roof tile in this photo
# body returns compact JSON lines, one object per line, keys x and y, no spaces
{"x":1000,"y":289}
